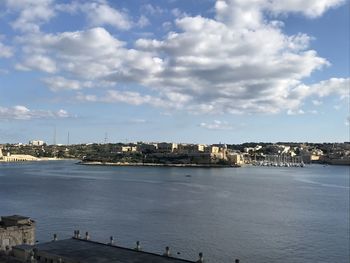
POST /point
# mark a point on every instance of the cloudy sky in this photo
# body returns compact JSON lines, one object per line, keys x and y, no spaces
{"x":202,"y":71}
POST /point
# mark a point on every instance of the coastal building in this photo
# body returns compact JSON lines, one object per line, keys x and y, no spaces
{"x":312,"y":155}
{"x":147,"y":147}
{"x":16,"y":230}
{"x":201,"y":147}
{"x":214,"y":149}
{"x":236,"y":158}
{"x":36,"y":143}
{"x":129,"y":148}
{"x":190,"y":148}
{"x":17,"y":157}
{"x":218,"y":152}
{"x":126,"y":148}
{"x":165,"y":147}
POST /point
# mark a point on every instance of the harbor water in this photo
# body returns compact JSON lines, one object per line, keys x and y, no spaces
{"x":256,"y":214}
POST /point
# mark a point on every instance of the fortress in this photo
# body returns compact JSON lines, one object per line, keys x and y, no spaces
{"x":16,"y":230}
{"x":16,"y":157}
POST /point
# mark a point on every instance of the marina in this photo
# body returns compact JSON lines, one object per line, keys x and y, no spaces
{"x":280,"y":161}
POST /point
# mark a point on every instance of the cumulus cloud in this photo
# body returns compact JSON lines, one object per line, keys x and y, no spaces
{"x":58,"y":83}
{"x":143,"y":21}
{"x":233,"y":70}
{"x":250,"y":13}
{"x":21,"y":112}
{"x":239,"y":62}
{"x":295,"y":112}
{"x":5,"y":51}
{"x":129,"y":97}
{"x":151,"y":9}
{"x":333,"y":86}
{"x":90,"y":55}
{"x":31,"y":13}
{"x":338,"y":86}
{"x":216,"y":125}
{"x":102,"y":14}
{"x":38,"y":62}
{"x":99,"y":13}
{"x":312,"y":9}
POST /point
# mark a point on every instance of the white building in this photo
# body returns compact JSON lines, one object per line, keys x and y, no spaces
{"x":36,"y":142}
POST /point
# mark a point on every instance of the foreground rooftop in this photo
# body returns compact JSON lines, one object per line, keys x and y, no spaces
{"x":82,"y":250}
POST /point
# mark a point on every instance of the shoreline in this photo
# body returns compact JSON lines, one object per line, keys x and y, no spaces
{"x":158,"y":165}
{"x":43,"y":159}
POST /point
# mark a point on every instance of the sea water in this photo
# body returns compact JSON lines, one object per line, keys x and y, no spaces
{"x":256,"y":214}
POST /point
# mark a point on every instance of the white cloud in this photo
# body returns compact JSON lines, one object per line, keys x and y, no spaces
{"x":232,"y":70}
{"x":338,"y":86}
{"x":91,"y":56}
{"x":99,"y":14}
{"x":137,"y":121}
{"x":152,"y":10}
{"x":333,"y":86}
{"x":129,"y":97}
{"x":205,"y":66}
{"x":59,"y":83}
{"x":62,"y":114}
{"x":295,"y":112}
{"x":216,"y":125}
{"x":167,"y":25}
{"x":250,"y":13}
{"x":310,"y":8}
{"x":37,"y":62}
{"x":5,"y":51}
{"x":31,"y":13}
{"x":317,"y":102}
{"x":143,"y":21}
{"x":176,"y":12}
{"x":21,"y":112}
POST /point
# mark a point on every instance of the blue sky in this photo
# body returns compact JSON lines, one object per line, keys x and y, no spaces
{"x":201,"y":71}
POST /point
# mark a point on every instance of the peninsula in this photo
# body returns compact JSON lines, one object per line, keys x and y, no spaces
{"x":182,"y":154}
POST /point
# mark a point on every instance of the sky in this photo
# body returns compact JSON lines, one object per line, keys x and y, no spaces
{"x":191,"y":71}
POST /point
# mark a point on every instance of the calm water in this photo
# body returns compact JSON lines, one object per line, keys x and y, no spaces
{"x":256,"y":214}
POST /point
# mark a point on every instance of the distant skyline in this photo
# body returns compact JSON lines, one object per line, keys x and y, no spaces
{"x":190,"y":71}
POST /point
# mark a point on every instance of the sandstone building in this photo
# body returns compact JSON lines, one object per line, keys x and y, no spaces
{"x":16,"y":230}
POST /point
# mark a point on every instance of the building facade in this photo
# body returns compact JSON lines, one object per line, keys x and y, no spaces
{"x":16,"y":230}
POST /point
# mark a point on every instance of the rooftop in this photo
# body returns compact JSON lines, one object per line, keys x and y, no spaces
{"x":81,"y":250}
{"x":15,"y":220}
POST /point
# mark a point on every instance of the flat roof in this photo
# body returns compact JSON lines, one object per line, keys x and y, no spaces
{"x":87,"y":251}
{"x":8,"y":259}
{"x":15,"y":217}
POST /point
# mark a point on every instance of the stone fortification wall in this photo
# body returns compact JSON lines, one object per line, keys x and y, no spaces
{"x":16,"y":230}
